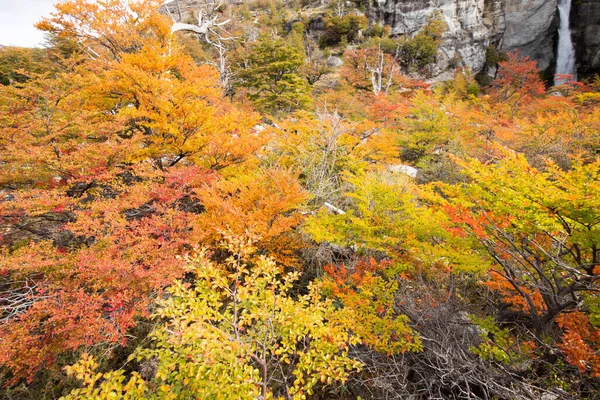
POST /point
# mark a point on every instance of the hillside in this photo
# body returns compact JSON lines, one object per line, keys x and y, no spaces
{"x":473,"y":27}
{"x":280,"y":199}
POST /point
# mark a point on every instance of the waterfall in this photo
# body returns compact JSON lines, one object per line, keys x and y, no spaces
{"x":565,"y":59}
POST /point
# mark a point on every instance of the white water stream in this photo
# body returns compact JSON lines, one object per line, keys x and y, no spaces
{"x":565,"y":59}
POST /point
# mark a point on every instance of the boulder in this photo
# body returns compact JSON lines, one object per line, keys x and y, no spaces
{"x":404,"y":169}
{"x":334,"y":62}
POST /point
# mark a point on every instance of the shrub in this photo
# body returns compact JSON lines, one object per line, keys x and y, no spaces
{"x":335,"y":28}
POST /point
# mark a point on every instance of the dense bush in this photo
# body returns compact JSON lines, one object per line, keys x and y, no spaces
{"x":241,"y":215}
{"x":337,"y":29}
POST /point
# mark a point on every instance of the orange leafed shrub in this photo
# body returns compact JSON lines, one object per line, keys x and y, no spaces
{"x":368,"y":306}
{"x":580,"y":342}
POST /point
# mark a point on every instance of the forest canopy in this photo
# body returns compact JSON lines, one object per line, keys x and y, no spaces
{"x":234,"y":201}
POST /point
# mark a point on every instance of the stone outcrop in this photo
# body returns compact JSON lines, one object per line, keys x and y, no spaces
{"x":525,"y":25}
{"x":471,"y":26}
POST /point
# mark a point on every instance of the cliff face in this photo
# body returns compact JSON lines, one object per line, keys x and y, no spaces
{"x":585,"y":23}
{"x":473,"y":25}
{"x":531,"y":27}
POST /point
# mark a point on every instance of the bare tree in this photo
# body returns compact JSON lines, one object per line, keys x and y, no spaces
{"x":379,"y":69}
{"x":209,"y":29}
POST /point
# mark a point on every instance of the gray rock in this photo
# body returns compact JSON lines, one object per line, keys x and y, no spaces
{"x":15,"y":230}
{"x":530,"y":28}
{"x":335,"y":62}
{"x":585,"y":26}
{"x":404,"y":169}
{"x":469,"y":29}
{"x":525,"y":25}
{"x":591,"y":35}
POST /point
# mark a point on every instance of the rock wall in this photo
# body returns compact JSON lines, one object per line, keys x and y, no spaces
{"x":531,"y":28}
{"x":472,"y":25}
{"x":525,"y":25}
{"x":585,"y":24}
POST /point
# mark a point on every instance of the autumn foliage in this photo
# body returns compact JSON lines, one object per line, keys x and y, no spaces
{"x":123,"y":148}
{"x":236,"y":214}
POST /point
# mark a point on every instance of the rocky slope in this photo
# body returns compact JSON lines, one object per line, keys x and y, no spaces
{"x":529,"y":26}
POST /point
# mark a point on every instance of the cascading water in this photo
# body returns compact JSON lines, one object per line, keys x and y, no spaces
{"x":565,"y":59}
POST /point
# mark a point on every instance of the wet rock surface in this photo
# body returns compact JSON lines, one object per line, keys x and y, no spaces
{"x":585,"y":24}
